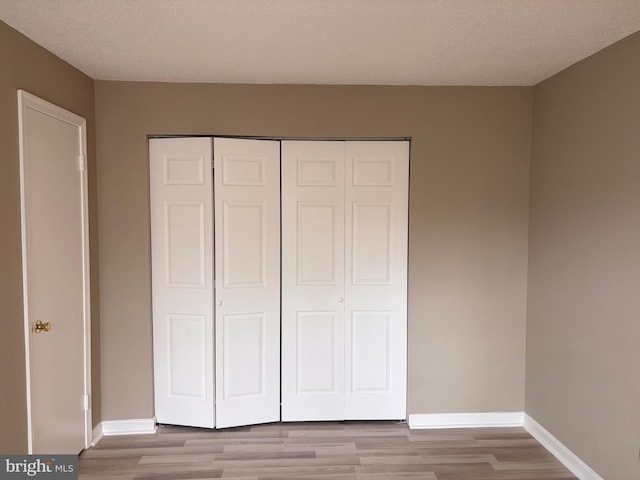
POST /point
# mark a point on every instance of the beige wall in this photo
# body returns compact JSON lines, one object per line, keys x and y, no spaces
{"x":468,"y":234}
{"x":23,"y":64}
{"x":468,"y":222}
{"x":583,"y":325}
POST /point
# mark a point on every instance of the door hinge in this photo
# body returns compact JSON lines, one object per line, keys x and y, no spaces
{"x":85,"y":403}
{"x":81,"y":163}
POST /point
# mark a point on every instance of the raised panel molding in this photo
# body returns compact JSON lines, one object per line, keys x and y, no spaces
{"x":243,"y":344}
{"x":184,"y":244}
{"x":315,"y":369}
{"x":316,"y":243}
{"x":315,"y":172}
{"x":187,"y":365}
{"x":371,"y":249}
{"x":183,"y":170}
{"x":372,"y":172}
{"x":240,"y":171}
{"x":243,"y":263}
{"x":371,"y":351}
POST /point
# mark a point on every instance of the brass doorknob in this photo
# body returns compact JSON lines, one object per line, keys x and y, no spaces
{"x":42,"y":326}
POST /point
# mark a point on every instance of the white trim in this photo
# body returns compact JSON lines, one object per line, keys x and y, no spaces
{"x":134,"y":426}
{"x":558,"y":450}
{"x":466,"y":420}
{"x":22,"y":98}
{"x":507,"y":419}
{"x":97,"y":435}
{"x":29,"y":101}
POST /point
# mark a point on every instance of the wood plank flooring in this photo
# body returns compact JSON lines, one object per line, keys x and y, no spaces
{"x":322,"y":451}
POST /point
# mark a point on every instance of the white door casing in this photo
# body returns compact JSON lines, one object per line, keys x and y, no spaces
{"x":55,"y":260}
{"x":345,"y":219}
{"x":313,"y":194}
{"x":376,"y":215}
{"x":247,"y":292}
{"x":182,"y":280}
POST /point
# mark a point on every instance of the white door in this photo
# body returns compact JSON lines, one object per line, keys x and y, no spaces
{"x":247,"y":292}
{"x":313,"y":195}
{"x":182,"y":279}
{"x":345,"y":219}
{"x":376,"y":214}
{"x":55,"y":275}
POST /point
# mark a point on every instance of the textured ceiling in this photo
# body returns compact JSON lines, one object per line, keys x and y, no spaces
{"x":392,"y":42}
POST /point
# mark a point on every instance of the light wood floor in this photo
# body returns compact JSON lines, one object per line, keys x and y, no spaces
{"x":323,"y":451}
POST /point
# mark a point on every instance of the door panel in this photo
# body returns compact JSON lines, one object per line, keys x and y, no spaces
{"x":243,"y":346}
{"x":184,"y":244}
{"x":371,"y":351}
{"x":316,"y":247}
{"x":316,"y":361}
{"x":182,"y":280}
{"x":371,"y":243}
{"x":187,"y":356}
{"x":313,"y":280}
{"x":247,"y":251}
{"x":55,"y":275}
{"x":376,"y":290}
{"x":243,"y":231}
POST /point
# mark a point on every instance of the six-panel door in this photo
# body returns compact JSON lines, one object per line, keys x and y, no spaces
{"x":313,"y":275}
{"x":182,"y":280}
{"x":247,"y":293}
{"x":376,"y":213}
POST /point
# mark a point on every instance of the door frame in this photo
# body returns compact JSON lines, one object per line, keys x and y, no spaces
{"x":27,"y":101}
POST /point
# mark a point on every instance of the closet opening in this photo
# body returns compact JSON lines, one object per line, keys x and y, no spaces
{"x":279,"y":279}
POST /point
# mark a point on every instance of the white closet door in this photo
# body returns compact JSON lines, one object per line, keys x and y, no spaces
{"x":376,"y":285}
{"x":313,"y":280}
{"x":247,"y":252}
{"x":182,"y":285}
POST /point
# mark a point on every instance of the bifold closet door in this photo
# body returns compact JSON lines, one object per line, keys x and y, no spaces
{"x":376,"y":215}
{"x":182,"y":280}
{"x":247,"y":286}
{"x":344,"y":277}
{"x":313,"y":176}
{"x":247,"y":291}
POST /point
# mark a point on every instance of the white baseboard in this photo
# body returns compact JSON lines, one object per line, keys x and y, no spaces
{"x":466,"y":420}
{"x":136,"y":426}
{"x":416,"y":421}
{"x":507,"y":419}
{"x":558,"y":450}
{"x":97,"y":435}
